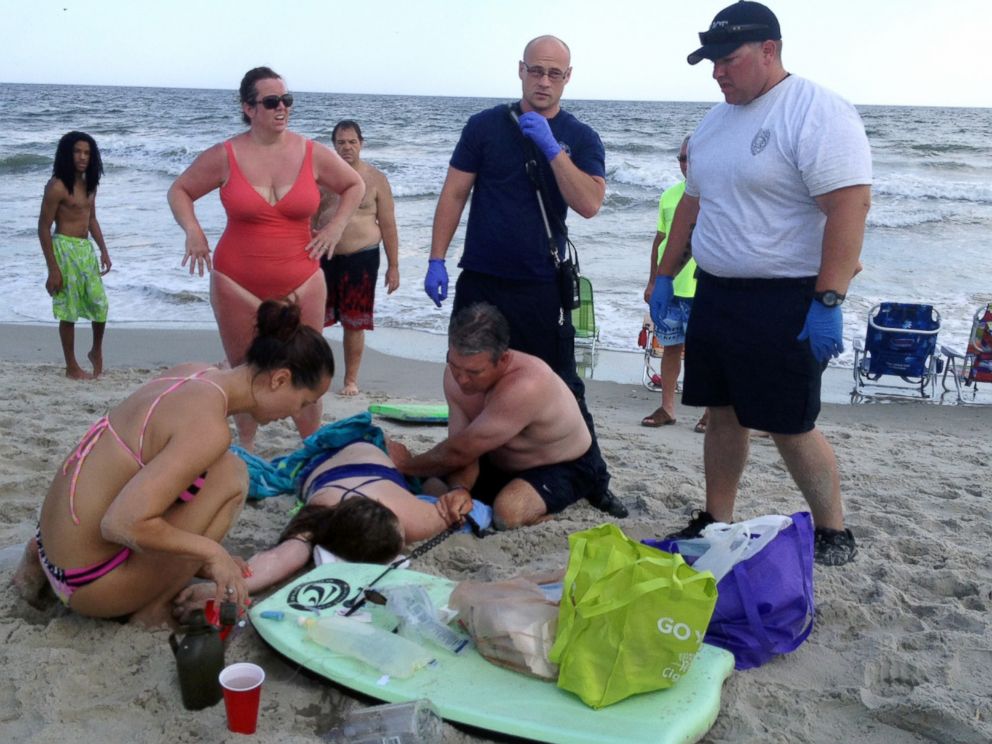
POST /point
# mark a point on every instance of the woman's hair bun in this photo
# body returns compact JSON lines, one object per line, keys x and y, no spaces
{"x":279,"y":319}
{"x":283,"y":340}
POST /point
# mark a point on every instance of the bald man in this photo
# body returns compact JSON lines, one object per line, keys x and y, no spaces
{"x":508,"y":259}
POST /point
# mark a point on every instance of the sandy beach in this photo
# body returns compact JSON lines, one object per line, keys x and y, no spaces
{"x":901,"y":651}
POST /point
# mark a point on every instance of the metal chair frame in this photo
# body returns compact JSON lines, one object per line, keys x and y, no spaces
{"x":974,"y":365}
{"x":932,"y":364}
{"x":584,"y":317}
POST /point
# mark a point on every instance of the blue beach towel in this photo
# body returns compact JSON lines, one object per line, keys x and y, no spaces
{"x":271,"y":478}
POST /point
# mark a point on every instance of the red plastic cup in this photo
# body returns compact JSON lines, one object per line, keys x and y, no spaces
{"x":242,"y":684}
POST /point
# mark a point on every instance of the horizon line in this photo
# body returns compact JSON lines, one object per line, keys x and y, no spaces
{"x":448,"y":95}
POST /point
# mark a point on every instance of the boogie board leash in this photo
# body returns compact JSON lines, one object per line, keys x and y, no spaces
{"x":417,"y":553}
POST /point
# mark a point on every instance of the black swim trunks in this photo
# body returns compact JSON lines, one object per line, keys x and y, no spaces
{"x":559,"y":485}
{"x":741,"y":350}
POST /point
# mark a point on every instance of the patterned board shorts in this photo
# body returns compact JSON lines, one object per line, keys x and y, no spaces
{"x":82,"y":292}
{"x":351,"y":288}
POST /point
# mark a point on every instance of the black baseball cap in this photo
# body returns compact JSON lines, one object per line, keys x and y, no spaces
{"x":735,"y":25}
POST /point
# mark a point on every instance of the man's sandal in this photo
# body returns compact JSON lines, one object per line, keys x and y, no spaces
{"x":660,"y":417}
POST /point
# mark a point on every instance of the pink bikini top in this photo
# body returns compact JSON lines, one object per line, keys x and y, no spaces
{"x":91,"y":437}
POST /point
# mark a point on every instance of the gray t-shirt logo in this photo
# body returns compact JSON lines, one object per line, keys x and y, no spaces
{"x":760,"y":140}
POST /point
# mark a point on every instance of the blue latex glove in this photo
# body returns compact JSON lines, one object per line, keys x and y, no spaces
{"x":436,"y":281}
{"x":661,"y":298}
{"x":535,"y":126}
{"x":824,"y":328}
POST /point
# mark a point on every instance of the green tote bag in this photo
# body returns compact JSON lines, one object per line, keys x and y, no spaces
{"x":631,"y":617}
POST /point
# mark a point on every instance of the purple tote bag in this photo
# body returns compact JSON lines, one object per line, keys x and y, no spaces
{"x":765,"y":603}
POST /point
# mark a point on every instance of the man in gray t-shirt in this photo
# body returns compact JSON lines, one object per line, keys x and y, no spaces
{"x":777,"y":194}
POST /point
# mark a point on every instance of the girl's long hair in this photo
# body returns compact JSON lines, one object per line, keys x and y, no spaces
{"x":358,"y":529}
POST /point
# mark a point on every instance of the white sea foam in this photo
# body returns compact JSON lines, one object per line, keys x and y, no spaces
{"x":935,"y":186}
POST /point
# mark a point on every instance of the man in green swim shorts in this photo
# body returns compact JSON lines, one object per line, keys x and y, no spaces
{"x":73,"y":272}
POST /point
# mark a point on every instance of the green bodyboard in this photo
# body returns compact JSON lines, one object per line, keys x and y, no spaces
{"x":468,"y":689}
{"x":423,"y":413}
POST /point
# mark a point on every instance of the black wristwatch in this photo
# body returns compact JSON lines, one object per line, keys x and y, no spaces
{"x":829,"y":298}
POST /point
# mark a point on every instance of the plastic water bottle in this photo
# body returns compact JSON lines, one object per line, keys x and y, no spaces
{"x":418,"y":618}
{"x":416,"y":722}
{"x":388,"y":653}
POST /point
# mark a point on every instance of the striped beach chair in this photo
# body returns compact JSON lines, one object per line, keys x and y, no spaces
{"x":975,"y":364}
{"x":584,"y":317}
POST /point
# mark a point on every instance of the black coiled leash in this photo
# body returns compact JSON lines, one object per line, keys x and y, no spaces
{"x":358,"y":603}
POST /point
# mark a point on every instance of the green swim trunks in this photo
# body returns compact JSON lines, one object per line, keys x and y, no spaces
{"x":82,"y":292}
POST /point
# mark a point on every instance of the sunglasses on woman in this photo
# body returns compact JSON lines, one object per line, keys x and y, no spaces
{"x":272,"y":102}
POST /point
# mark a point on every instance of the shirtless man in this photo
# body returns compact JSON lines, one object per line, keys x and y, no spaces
{"x":351,"y":272}
{"x":74,"y":282}
{"x":516,"y":438}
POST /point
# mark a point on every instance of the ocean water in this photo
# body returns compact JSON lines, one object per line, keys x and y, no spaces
{"x":927,"y":239}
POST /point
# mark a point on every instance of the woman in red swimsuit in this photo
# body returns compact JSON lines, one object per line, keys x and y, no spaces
{"x":142,"y":503}
{"x":268,"y":179}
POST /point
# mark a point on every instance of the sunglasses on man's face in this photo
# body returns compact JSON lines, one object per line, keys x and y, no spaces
{"x":272,"y":102}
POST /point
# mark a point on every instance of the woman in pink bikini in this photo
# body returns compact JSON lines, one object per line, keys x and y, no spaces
{"x":268,"y":179}
{"x":141,"y":504}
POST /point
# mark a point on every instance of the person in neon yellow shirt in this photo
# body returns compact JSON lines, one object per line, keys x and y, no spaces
{"x":672,"y":334}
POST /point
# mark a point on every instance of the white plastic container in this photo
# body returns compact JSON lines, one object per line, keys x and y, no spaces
{"x":415,"y":722}
{"x":388,"y":653}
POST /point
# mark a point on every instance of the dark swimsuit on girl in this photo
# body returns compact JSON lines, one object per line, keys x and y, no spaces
{"x":374,"y":472}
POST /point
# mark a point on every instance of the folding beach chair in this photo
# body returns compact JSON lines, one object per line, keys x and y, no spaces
{"x":975,"y":364}
{"x":653,"y":352}
{"x":901,"y":341}
{"x":584,"y":317}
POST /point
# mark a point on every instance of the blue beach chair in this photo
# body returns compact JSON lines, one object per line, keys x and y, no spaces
{"x":901,"y":341}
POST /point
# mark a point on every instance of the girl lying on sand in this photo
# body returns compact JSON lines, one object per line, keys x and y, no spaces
{"x":357,"y":506}
{"x":141,"y":504}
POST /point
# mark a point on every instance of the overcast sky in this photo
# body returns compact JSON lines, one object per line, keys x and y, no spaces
{"x":909,"y":52}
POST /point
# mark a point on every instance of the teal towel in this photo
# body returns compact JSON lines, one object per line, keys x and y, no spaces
{"x":271,"y":478}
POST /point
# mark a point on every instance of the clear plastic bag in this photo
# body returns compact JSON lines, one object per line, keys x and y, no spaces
{"x":513,"y":623}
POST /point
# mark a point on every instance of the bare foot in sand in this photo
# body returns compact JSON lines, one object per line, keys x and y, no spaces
{"x":155,"y":616}
{"x":29,"y":580}
{"x":350,"y":388}
{"x":193,"y":597}
{"x":77,"y":373}
{"x":97,"y":361}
